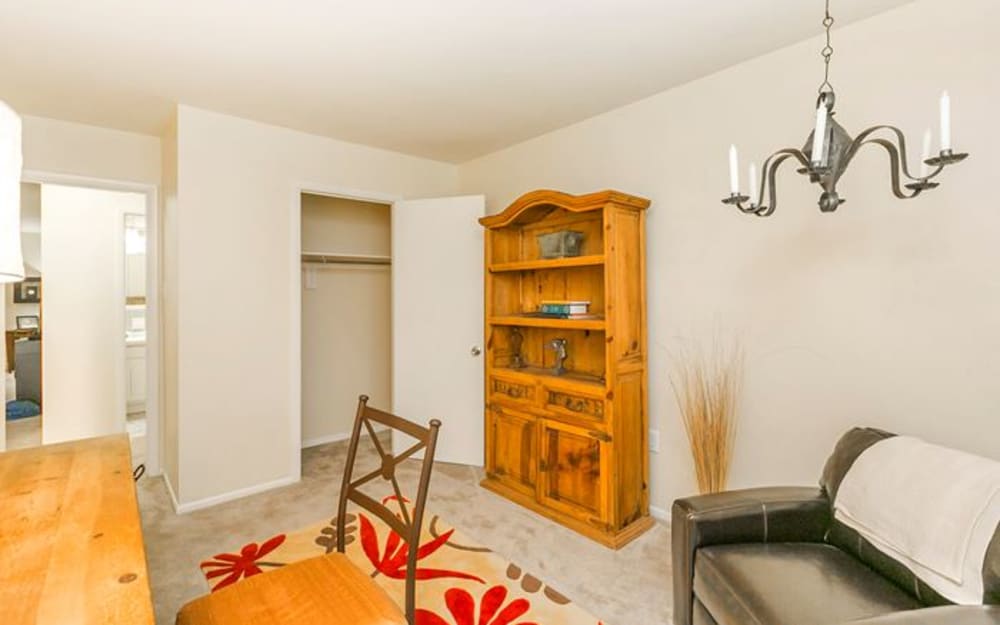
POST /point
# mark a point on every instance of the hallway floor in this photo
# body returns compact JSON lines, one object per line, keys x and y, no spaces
{"x":23,"y":433}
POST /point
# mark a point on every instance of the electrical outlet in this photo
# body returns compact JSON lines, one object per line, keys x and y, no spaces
{"x":654,"y":441}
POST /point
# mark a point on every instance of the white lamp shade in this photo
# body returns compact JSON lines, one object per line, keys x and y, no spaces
{"x":11,"y":261}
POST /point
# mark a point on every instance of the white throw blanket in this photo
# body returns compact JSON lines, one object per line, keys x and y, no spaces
{"x":931,"y":508}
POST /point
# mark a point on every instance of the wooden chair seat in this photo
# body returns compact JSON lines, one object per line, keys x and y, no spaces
{"x":327,"y":590}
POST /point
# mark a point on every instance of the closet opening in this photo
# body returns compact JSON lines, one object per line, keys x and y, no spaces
{"x":346,"y":313}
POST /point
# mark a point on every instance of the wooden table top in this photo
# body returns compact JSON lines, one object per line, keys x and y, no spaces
{"x":71,"y":549}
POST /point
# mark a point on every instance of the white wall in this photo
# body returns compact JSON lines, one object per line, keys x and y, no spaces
{"x":59,"y":147}
{"x":236,"y":229}
{"x":83,"y":349}
{"x":884,"y":313}
{"x":346,"y":318}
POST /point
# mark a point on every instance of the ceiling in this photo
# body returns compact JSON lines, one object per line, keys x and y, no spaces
{"x":443,"y":79}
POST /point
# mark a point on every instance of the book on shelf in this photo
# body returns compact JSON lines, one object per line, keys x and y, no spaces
{"x":560,"y":307}
{"x":556,"y":315}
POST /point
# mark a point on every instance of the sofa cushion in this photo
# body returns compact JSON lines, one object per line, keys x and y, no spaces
{"x":856,"y":545}
{"x":784,"y":583}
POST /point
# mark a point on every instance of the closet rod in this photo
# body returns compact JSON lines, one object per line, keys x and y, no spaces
{"x":345,"y":259}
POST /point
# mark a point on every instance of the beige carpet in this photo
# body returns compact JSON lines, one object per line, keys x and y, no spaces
{"x":627,"y":587}
{"x":458,"y":581}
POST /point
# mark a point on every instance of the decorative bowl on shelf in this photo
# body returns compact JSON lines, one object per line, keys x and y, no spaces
{"x":561,"y":244}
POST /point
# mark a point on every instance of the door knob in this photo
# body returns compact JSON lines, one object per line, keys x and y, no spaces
{"x":475,"y":351}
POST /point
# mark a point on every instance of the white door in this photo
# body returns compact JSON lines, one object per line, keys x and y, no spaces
{"x":437,"y":322}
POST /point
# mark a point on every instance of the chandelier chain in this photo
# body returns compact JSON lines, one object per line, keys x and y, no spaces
{"x":827,"y":51}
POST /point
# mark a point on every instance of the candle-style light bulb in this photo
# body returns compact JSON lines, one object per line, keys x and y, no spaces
{"x":945,"y":122}
{"x":753,"y":183}
{"x":734,"y":171}
{"x":925,"y":169}
{"x":819,"y":135}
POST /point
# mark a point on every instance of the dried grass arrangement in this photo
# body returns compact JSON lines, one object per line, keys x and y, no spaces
{"x":707,"y":385}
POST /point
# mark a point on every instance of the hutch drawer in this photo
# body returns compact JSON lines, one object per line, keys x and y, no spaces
{"x":509,"y":390}
{"x":573,"y":404}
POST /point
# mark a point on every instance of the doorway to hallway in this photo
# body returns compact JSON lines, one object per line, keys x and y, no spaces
{"x":84,"y":367}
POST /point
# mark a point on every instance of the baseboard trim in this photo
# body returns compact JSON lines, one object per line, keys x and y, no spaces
{"x":170,"y":491}
{"x":214,"y":500}
{"x":323,"y":440}
{"x":335,"y":438}
{"x":208,"y":502}
{"x":660,"y":514}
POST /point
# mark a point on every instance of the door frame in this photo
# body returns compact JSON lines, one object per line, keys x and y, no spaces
{"x":295,"y":299}
{"x":154,"y":349}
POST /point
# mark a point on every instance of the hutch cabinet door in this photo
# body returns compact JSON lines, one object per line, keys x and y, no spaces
{"x":575,"y":471}
{"x":512,"y":453}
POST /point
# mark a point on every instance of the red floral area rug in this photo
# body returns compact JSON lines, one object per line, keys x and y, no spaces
{"x":459,"y":582}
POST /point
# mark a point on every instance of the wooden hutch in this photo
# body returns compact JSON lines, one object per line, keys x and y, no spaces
{"x":571,"y":446}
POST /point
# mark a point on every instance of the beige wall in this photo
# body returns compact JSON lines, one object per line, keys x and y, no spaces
{"x":31,"y":249}
{"x":169,"y":306}
{"x":331,"y":224}
{"x":236,"y":193}
{"x":60,"y":147}
{"x":884,"y":313}
{"x":346,"y":318}
{"x":31,"y":209}
{"x":83,"y":353}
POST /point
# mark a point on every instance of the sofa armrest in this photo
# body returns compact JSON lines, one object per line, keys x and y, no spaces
{"x":781,"y":514}
{"x":945,"y":615}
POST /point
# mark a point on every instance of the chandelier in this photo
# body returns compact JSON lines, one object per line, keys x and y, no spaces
{"x":829,"y":150}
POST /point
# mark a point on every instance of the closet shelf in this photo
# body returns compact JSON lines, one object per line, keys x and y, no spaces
{"x":324,"y":258}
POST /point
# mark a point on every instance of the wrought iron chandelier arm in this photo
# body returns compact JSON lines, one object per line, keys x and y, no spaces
{"x":897,"y":154}
{"x":769,"y":178}
{"x":895,"y":165}
{"x":768,"y":184}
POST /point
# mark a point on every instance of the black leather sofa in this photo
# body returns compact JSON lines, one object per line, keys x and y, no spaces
{"x":776,"y":556}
